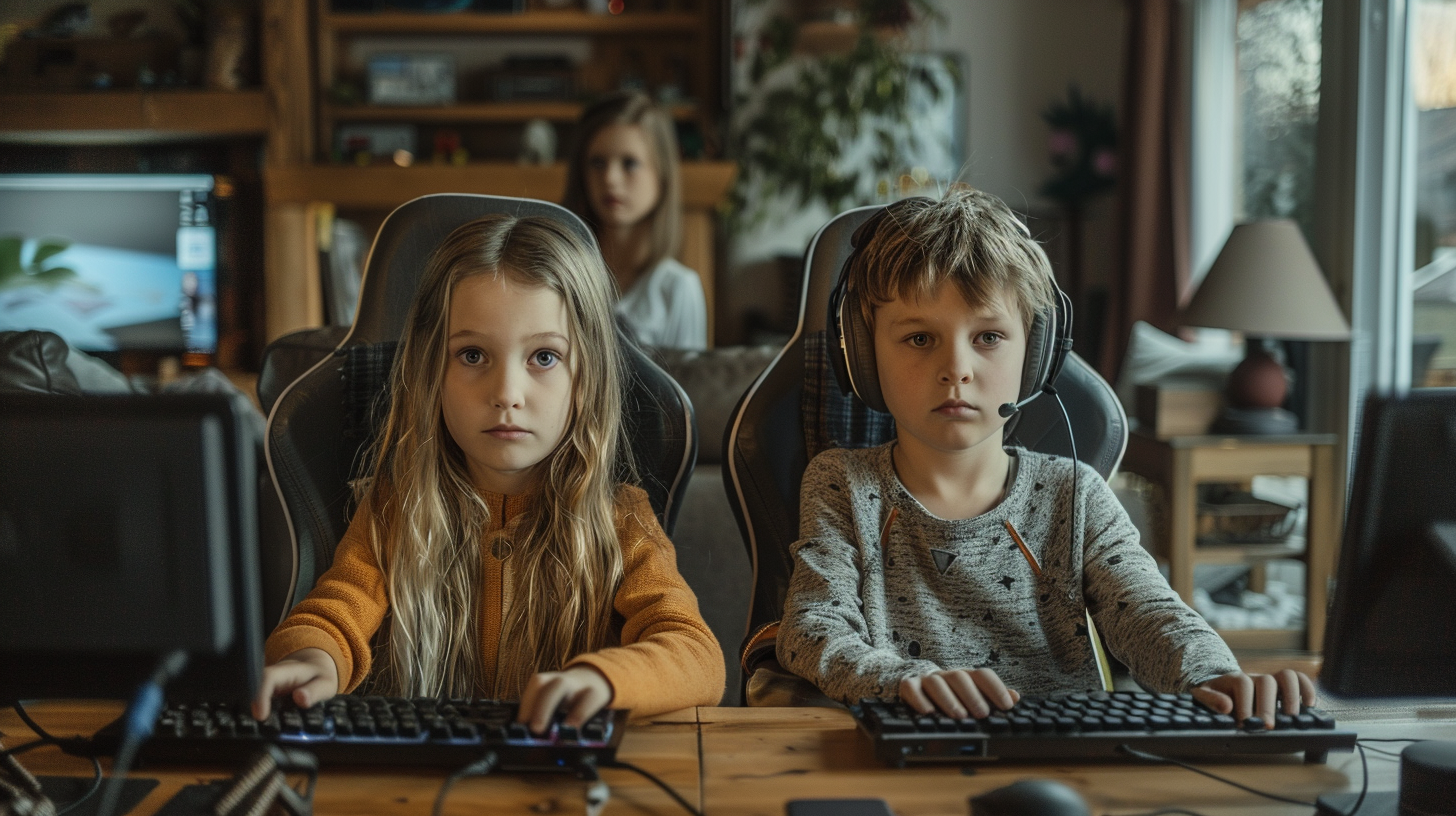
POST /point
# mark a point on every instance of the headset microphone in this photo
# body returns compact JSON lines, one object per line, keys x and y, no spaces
{"x":1009,"y":408}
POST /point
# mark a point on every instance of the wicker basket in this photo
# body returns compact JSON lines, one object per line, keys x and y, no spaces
{"x":1240,"y":518}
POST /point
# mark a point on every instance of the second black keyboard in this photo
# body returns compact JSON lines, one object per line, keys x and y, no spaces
{"x":360,"y":730}
{"x":1093,"y":726}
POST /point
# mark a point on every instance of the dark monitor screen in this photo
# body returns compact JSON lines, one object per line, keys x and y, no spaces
{"x":127,"y":530}
{"x":110,"y":262}
{"x":1392,"y":625}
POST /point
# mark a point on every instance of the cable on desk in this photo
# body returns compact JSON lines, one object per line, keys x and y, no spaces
{"x":137,"y":724}
{"x":1364,"y":780}
{"x":642,"y":772}
{"x":30,"y":723}
{"x":1169,"y":812}
{"x":1144,"y":755}
{"x":91,"y":791}
{"x":480,"y":767}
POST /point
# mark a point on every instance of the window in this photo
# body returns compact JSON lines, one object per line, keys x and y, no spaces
{"x":1432,"y":51}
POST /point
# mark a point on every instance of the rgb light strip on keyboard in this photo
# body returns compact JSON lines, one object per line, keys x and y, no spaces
{"x":358,"y":730}
{"x":1092,"y":726}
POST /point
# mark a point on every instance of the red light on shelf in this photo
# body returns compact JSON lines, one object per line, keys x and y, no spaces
{"x":616,"y":6}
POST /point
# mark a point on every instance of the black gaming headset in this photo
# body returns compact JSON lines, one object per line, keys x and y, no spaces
{"x":1047,"y":345}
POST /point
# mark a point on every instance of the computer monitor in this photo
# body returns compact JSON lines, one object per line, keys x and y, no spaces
{"x":1391,"y":631}
{"x":128,"y":529}
{"x":110,"y":262}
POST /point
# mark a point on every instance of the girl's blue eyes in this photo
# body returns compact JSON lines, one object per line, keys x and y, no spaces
{"x":543,"y":358}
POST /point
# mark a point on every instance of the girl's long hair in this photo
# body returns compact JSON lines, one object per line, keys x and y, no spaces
{"x":632,"y":108}
{"x":426,"y":518}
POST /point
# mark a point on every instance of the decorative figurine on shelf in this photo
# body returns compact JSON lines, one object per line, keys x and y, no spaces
{"x":538,"y":143}
{"x":67,"y":20}
{"x":447,"y":144}
{"x":228,"y":23}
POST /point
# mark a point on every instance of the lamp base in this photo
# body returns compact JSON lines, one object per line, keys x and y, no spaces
{"x":1257,"y":421}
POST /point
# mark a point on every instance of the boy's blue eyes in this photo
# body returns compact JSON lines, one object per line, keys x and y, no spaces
{"x":984,"y":339}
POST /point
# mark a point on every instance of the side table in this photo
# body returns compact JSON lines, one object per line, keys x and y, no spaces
{"x":1181,"y":463}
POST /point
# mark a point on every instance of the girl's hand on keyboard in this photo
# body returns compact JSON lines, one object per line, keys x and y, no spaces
{"x":579,"y":692}
{"x":309,"y":675}
{"x":1257,"y":695}
{"x":958,"y":693}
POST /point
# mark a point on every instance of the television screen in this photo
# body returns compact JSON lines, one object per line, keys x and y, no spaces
{"x":110,"y":262}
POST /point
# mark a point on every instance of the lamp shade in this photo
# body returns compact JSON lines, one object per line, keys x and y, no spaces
{"x":1265,"y":282}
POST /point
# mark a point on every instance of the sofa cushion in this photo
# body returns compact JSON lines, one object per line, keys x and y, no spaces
{"x":714,"y":380}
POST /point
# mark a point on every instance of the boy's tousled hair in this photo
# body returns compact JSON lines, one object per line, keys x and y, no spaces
{"x":968,"y":237}
{"x":632,"y":108}
{"x":427,"y":519}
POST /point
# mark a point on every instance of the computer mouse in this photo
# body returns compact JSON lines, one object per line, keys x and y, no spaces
{"x":1030,"y":797}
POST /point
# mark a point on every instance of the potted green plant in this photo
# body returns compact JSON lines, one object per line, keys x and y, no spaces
{"x":828,"y":113}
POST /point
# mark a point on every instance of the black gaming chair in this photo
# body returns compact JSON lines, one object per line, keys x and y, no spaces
{"x":768,"y":440}
{"x":322,"y":419}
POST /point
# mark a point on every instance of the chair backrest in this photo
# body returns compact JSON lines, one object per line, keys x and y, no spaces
{"x":794,"y":409}
{"x":322,"y":421}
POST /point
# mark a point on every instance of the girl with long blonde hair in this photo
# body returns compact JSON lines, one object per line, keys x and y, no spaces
{"x":494,"y":545}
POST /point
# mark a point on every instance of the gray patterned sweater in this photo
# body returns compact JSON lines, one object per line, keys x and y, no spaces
{"x":960,"y":594}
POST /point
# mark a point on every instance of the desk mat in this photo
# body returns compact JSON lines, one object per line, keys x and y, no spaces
{"x":194,"y":800}
{"x":63,"y":790}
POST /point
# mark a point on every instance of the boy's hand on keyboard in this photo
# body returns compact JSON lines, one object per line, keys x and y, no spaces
{"x":579,"y":692}
{"x":1257,"y":695}
{"x":958,"y":693}
{"x":309,"y":675}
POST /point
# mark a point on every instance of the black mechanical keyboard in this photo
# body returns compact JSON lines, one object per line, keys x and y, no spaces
{"x":1093,"y":726}
{"x":359,"y":730}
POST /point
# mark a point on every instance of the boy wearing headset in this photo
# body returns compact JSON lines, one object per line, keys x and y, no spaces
{"x":943,"y":568}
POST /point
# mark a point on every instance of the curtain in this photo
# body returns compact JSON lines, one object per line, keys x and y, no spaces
{"x":1153,"y":272}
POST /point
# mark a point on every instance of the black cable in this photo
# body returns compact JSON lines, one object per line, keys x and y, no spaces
{"x":30,"y":723}
{"x":1364,"y":780}
{"x":676,"y":797}
{"x":137,"y":724}
{"x":1155,"y":758}
{"x":28,"y":746}
{"x":480,"y":767}
{"x":95,"y":786}
{"x":1167,"y":811}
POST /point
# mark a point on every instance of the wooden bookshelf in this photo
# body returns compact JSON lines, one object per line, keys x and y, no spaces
{"x":499,"y":112}
{"x":302,"y":189}
{"x":190,"y":113}
{"x":384,"y":186}
{"x":531,"y":22}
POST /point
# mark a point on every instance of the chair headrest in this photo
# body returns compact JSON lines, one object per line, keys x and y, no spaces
{"x":409,"y":236}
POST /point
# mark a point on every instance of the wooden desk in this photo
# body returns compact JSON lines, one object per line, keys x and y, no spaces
{"x":666,"y":746}
{"x":755,"y":760}
{"x":1181,"y":463}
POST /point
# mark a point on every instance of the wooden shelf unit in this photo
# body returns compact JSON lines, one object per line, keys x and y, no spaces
{"x":1179,"y":464}
{"x":188,"y":113}
{"x":688,"y":35}
{"x":301,"y":184}
{"x":529,"y":22}
{"x":498,"y":112}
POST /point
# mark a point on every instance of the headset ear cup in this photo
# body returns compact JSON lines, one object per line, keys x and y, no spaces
{"x":835,"y":352}
{"x":859,"y":354}
{"x":1039,"y":344}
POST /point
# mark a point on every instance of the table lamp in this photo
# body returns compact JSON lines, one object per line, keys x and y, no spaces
{"x":1265,"y":283}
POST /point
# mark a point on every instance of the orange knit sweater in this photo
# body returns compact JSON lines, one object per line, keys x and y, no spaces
{"x":668,"y":659}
